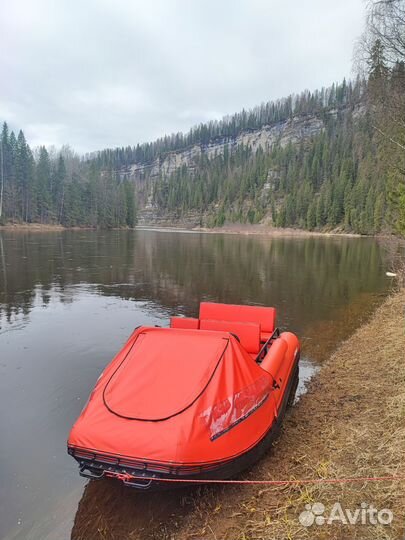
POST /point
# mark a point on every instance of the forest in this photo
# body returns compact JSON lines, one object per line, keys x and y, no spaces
{"x":332,"y":180}
{"x":50,"y":187}
{"x":58,"y":188}
{"x":346,"y":178}
{"x":349,"y":177}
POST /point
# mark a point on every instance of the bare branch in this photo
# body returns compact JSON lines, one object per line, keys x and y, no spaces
{"x":389,"y":138}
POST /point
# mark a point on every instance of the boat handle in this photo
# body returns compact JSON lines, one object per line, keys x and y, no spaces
{"x":90,"y":474}
{"x":132,"y":483}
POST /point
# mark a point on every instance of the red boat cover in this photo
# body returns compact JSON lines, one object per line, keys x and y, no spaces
{"x":178,"y":396}
{"x":147,"y":385}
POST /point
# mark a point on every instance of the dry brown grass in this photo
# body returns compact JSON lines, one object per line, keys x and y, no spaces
{"x":350,"y":423}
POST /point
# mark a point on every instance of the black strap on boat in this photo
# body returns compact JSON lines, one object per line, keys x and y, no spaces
{"x":264,"y":349}
{"x":235,"y":336}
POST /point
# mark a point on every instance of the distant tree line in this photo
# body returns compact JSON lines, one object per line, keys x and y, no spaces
{"x":58,"y":188}
{"x":334,"y":97}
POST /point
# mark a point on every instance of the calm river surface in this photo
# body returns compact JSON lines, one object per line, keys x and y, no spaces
{"x":69,"y":300}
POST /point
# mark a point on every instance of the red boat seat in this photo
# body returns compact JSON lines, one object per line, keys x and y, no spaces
{"x":264,"y":336}
{"x":265,"y":316}
{"x":247,"y":332}
{"x":184,"y":322}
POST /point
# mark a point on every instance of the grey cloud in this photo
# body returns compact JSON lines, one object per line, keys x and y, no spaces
{"x":109,"y":73}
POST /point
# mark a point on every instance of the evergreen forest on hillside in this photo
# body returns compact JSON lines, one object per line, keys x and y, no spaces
{"x":331,"y":180}
{"x":349,"y":176}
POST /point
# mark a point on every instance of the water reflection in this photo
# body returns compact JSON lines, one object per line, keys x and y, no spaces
{"x":304,"y":277}
{"x":68,"y":300}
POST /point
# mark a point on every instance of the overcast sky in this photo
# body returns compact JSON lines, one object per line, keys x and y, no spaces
{"x":105,"y":73}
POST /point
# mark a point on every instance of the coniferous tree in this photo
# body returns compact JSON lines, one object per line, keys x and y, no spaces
{"x":43,"y":181}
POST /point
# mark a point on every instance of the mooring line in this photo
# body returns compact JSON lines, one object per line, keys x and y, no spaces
{"x":127,"y":476}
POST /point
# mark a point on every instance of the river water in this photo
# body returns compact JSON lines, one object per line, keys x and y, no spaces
{"x":69,"y":300}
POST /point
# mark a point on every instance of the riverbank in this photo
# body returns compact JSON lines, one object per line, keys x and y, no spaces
{"x":43,"y":227}
{"x":30,"y":227}
{"x":259,"y":230}
{"x":264,"y":230}
{"x":238,"y":229}
{"x":274,"y":231}
{"x":351,"y":423}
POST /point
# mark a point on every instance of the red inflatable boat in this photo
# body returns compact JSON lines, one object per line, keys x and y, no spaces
{"x":202,"y":399}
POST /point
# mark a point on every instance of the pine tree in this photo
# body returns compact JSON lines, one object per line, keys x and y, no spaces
{"x":130,"y":205}
{"x":378,"y":213}
{"x":311,"y":216}
{"x":58,"y":193}
{"x":23,"y":176}
{"x":3,"y":165}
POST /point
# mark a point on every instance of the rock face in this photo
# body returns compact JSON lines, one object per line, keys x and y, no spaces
{"x":293,"y":130}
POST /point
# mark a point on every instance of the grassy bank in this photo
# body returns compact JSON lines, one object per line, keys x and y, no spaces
{"x":350,"y":423}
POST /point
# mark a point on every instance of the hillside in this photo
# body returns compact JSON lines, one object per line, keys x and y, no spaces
{"x":299,"y":161}
{"x":307,"y":161}
{"x":311,"y":161}
{"x":306,"y":172}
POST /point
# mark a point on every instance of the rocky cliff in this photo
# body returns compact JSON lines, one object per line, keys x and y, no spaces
{"x":294,"y":130}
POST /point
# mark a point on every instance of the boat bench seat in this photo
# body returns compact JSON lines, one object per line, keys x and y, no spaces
{"x":185,"y":322}
{"x":248,"y":333}
{"x":264,"y":316}
{"x":264,"y":336}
